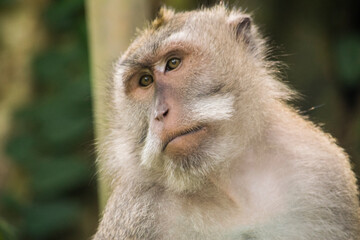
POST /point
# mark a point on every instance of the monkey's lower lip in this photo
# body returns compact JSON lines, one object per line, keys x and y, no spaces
{"x":185,"y":139}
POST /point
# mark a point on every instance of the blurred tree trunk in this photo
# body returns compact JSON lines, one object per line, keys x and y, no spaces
{"x":111,"y":26}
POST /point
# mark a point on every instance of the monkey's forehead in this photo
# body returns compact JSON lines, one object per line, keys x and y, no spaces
{"x":151,"y":39}
{"x":194,"y":27}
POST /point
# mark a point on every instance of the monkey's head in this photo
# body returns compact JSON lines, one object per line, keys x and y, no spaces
{"x":189,"y":93}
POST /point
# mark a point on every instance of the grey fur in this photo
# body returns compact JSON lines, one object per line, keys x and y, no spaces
{"x":265,"y":172}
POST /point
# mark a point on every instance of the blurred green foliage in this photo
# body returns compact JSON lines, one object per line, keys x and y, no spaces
{"x":348,"y":59}
{"x":7,"y":232}
{"x":7,"y":3}
{"x":52,"y":139}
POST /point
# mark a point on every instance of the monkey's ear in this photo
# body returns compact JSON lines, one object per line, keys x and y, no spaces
{"x":242,"y":27}
{"x":163,"y":16}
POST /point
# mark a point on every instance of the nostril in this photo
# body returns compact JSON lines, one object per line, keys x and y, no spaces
{"x":166,"y":113}
{"x":161,"y":114}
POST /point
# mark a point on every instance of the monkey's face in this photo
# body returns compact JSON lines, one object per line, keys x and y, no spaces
{"x":180,"y":100}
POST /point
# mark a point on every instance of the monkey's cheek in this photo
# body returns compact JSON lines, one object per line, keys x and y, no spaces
{"x":186,"y":144}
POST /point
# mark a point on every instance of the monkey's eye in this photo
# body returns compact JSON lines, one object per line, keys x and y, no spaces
{"x":145,"y":80}
{"x":172,"y":64}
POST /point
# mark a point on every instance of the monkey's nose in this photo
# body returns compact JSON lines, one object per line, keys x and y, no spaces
{"x":161,"y":113}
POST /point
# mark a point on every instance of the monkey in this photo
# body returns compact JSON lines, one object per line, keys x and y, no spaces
{"x":202,"y":143}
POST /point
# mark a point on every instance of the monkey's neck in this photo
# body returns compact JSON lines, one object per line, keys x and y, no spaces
{"x":255,"y":180}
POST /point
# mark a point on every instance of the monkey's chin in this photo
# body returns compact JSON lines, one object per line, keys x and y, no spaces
{"x":186,"y":143}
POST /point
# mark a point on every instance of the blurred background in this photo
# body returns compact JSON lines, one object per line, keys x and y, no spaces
{"x":48,"y":186}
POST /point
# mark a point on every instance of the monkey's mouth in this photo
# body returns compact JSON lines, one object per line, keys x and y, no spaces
{"x":185,"y":138}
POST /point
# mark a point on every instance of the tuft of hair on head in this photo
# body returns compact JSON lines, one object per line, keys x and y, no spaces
{"x":163,"y":16}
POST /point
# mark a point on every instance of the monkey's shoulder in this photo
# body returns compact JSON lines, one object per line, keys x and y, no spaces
{"x":132,"y":210}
